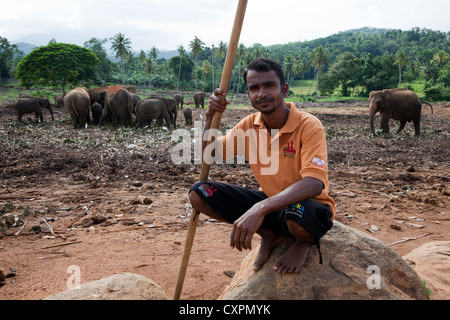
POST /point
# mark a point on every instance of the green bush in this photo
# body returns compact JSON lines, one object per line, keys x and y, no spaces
{"x":435,"y":92}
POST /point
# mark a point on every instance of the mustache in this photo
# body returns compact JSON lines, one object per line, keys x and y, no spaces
{"x":264,"y":100}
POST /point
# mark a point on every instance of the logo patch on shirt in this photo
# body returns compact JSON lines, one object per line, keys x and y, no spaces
{"x":289,"y":151}
{"x":319,"y":162}
{"x":207,"y":190}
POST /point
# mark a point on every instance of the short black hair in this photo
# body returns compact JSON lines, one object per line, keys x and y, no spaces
{"x":265,"y":65}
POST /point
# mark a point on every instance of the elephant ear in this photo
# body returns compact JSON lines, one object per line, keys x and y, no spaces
{"x":388,"y":98}
{"x":102,"y":94}
{"x":372,"y":93}
{"x":44,"y":102}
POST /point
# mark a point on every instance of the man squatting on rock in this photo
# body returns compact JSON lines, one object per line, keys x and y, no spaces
{"x":293,"y":200}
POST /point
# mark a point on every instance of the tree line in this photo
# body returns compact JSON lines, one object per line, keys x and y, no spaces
{"x":348,"y":63}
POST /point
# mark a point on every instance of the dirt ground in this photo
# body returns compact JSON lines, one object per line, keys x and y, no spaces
{"x":107,"y":201}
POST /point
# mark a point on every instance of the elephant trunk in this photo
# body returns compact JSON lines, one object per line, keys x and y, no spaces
{"x":372,"y":111}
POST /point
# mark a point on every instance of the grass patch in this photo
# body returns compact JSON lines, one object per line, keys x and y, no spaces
{"x":303,"y":87}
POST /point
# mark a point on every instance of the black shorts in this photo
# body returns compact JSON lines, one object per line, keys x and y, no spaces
{"x":231,"y":202}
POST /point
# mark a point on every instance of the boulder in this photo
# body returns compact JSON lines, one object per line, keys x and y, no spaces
{"x":431,"y":261}
{"x":124,"y":286}
{"x":355,"y":267}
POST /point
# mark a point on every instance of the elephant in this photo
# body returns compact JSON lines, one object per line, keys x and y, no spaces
{"x":199,"y":99}
{"x":398,"y":104}
{"x":78,"y":105}
{"x":136,"y":100}
{"x":149,"y":109}
{"x":118,"y":104}
{"x":171,"y":105}
{"x":130,"y":88}
{"x":188,"y":116}
{"x":59,"y":101}
{"x":172,"y":108}
{"x":179,"y":99}
{"x":96,"y":95}
{"x":26,"y":104}
{"x":96,"y":110}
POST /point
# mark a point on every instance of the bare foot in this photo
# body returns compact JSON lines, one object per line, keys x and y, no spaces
{"x":269,"y":240}
{"x":293,"y":259}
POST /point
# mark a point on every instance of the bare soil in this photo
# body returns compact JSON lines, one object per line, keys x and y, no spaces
{"x":114,"y":202}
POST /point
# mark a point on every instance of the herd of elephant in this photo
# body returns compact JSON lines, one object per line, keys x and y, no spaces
{"x":114,"y":104}
{"x":118,"y":103}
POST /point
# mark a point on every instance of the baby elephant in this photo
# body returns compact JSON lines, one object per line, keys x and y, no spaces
{"x":32,"y":105}
{"x":188,"y":116}
{"x":199,"y":99}
{"x":149,"y":109}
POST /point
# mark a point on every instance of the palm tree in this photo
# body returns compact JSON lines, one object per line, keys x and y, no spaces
{"x":153,"y":54}
{"x":240,"y":55}
{"x":303,"y":67}
{"x":149,"y":67}
{"x":401,"y":60}
{"x":212,"y":65}
{"x":257,"y":50}
{"x":318,"y":59}
{"x":221,"y":53}
{"x":440,"y":57}
{"x":205,"y":68}
{"x":181,"y":53}
{"x":121,"y":46}
{"x":292,"y":67}
{"x":196,"y":46}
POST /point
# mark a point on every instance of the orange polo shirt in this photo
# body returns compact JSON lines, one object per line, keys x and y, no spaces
{"x":296,"y":151}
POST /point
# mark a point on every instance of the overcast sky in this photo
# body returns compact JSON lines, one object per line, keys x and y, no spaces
{"x":166,"y":24}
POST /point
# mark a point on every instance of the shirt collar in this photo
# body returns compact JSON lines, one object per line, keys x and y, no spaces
{"x":291,"y":123}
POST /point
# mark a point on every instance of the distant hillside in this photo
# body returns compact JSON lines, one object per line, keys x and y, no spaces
{"x":167,"y":54}
{"x":26,"y":48}
{"x":370,"y":30}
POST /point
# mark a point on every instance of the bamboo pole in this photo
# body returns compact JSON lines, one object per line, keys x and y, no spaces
{"x":224,"y":84}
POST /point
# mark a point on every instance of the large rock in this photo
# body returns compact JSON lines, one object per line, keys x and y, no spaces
{"x":124,"y":286}
{"x":355,"y":266}
{"x":431,"y":261}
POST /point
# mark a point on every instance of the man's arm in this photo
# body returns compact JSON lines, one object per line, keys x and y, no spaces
{"x":217,"y":103}
{"x":246,"y":226}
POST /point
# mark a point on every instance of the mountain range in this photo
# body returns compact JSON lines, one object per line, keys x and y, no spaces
{"x":32,"y":41}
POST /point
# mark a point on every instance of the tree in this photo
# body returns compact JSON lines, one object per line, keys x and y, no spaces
{"x":105,"y":66}
{"x":153,"y":54}
{"x":318,"y":60}
{"x":181,"y":53}
{"x":57,"y":64}
{"x":257,"y":50}
{"x":149,"y":67}
{"x":401,"y":60}
{"x":440,"y":57}
{"x":196,"y":46}
{"x":8,"y":53}
{"x":184,"y":72}
{"x":344,"y":69}
{"x":240,"y":54}
{"x":205,"y":68}
{"x":212,"y":66}
{"x":430,"y":70}
{"x":220,"y":53}
{"x":121,"y":45}
{"x":380,"y":73}
{"x":303,"y":67}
